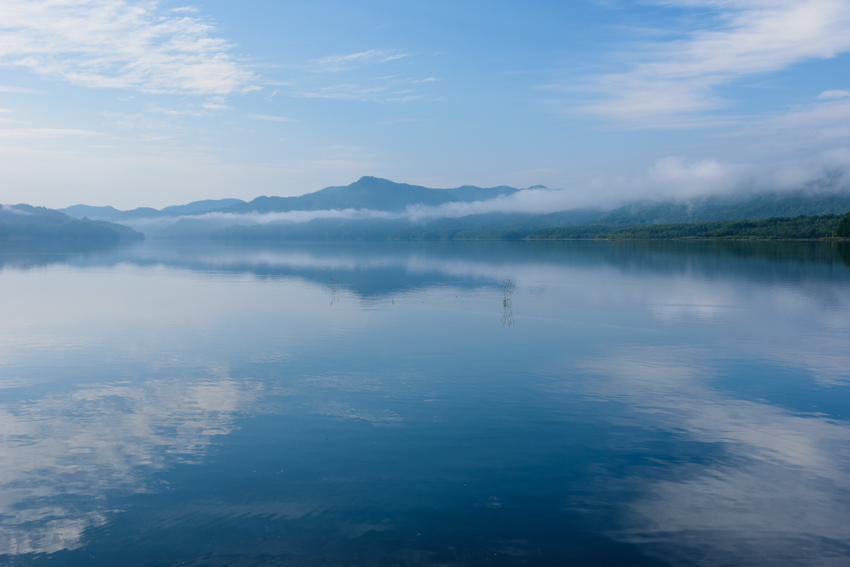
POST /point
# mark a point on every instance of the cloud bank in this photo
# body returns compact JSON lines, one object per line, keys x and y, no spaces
{"x":669,"y":179}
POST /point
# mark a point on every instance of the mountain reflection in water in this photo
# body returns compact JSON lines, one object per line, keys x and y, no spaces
{"x":386,"y":403}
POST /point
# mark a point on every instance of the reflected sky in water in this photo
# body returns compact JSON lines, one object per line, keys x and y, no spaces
{"x":392,"y":404}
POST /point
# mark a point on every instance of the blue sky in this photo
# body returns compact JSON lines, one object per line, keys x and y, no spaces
{"x":157,"y":103}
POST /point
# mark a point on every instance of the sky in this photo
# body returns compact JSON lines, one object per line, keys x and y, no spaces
{"x":146,"y":103}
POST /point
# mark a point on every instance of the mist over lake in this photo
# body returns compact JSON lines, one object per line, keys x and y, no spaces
{"x":425,"y":403}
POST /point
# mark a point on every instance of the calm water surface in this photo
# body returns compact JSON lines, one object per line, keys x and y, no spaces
{"x":392,"y":404}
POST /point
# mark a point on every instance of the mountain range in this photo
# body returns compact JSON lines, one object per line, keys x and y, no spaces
{"x":374,"y":208}
{"x":370,"y":193}
{"x":113,"y":214}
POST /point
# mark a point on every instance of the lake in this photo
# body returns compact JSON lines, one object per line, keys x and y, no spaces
{"x":426,"y":403}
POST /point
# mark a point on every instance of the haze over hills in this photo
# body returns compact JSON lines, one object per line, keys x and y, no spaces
{"x":370,"y":193}
{"x":374,"y":208}
{"x":27,"y":223}
{"x":113,"y":214}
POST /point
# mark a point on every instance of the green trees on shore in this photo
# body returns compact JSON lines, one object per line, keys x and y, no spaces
{"x":843,"y":230}
{"x":788,"y":228}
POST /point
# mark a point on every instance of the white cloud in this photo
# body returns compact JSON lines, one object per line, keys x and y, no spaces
{"x":808,"y":128}
{"x":118,"y":44}
{"x":19,"y":90}
{"x":834,"y":94}
{"x":269,"y":118}
{"x":678,"y":78}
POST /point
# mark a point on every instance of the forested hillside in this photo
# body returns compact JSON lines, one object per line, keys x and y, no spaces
{"x":793,"y":228}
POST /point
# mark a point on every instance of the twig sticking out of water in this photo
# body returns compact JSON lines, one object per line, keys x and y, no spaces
{"x":334,"y":292}
{"x":508,"y":293}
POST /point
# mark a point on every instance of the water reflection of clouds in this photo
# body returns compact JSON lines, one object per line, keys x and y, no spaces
{"x":781,"y":495}
{"x":829,"y":367}
{"x":688,"y":298}
{"x":346,"y":411}
{"x":774,"y":496}
{"x":98,"y":438}
{"x":799,"y":326}
{"x":777,"y":319}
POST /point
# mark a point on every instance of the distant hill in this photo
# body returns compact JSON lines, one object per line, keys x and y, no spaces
{"x":86,"y":211}
{"x":189,"y":228}
{"x":370,"y":193}
{"x":366,"y":193}
{"x":24,"y":222}
{"x":113,"y":214}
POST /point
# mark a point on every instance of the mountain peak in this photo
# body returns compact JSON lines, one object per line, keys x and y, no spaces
{"x":370,"y":180}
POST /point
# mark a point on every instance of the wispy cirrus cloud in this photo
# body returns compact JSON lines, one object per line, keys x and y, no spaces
{"x":674,"y":81}
{"x":406,"y":98}
{"x":41,"y":133}
{"x":345,"y":91}
{"x":18,"y":90}
{"x":268,"y":118}
{"x":827,"y":95}
{"x":349,"y":91}
{"x":335,"y":63}
{"x":351,"y":77}
{"x":119,"y":44}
